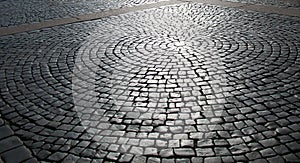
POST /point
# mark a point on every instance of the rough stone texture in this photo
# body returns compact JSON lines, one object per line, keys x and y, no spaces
{"x":279,"y":3}
{"x":10,"y":145}
{"x":179,"y":83}
{"x":16,"y":12}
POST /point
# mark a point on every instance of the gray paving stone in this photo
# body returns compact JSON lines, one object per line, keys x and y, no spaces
{"x":44,"y":154}
{"x":187,"y":82}
{"x":126,"y":158}
{"x":197,"y":160}
{"x":290,"y":158}
{"x":137,"y":150}
{"x":166,"y":160}
{"x":267,"y":152}
{"x":71,"y":158}
{"x":139,"y":159}
{"x":184,"y":152}
{"x":269,"y":142}
{"x":23,"y":154}
{"x":204,"y":152}
{"x":153,"y":160}
{"x":166,"y":153}
{"x":276,"y":159}
{"x":213,"y":159}
{"x":221,"y":151}
{"x":239,"y":149}
{"x":227,"y":159}
{"x":146,"y":142}
{"x":240,"y":158}
{"x":205,"y":143}
{"x":151,"y":151}
{"x":294,"y":146}
{"x":9,"y":143}
{"x":113,"y":155}
{"x":57,"y":156}
{"x":5,"y":132}
{"x":184,"y":160}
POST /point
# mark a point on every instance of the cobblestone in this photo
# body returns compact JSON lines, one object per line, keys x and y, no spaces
{"x":183,"y":83}
{"x":10,"y":156}
{"x":280,"y":3}
{"x":10,"y":145}
{"x":16,"y":12}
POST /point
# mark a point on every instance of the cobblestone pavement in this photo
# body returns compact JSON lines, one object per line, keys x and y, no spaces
{"x":184,"y":83}
{"x":11,"y":144}
{"x":16,"y":12}
{"x":279,"y":3}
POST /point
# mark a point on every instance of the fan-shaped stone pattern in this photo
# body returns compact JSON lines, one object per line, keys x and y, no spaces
{"x":185,"y":82}
{"x":147,"y":85}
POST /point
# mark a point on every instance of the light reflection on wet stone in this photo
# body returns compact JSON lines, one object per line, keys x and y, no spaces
{"x":141,"y":86}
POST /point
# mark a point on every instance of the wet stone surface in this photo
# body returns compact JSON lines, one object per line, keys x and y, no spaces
{"x":181,"y":83}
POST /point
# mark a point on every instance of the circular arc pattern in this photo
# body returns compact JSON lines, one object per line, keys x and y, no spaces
{"x":155,"y":89}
